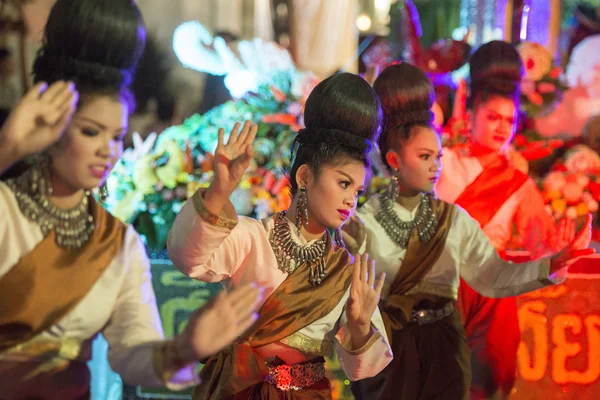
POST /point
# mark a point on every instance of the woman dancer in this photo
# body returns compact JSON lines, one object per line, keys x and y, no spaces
{"x":316,"y":300}
{"x":69,"y":269}
{"x":499,"y":196}
{"x":424,"y":245}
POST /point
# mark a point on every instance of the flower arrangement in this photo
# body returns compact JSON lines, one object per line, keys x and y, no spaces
{"x":541,"y":87}
{"x":572,"y":188}
{"x":153,"y":180}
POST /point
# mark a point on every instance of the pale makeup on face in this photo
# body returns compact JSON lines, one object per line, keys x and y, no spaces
{"x":90,"y":147}
{"x":494,"y":123}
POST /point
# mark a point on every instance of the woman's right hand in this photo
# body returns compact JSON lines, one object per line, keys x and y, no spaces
{"x":232,"y":159}
{"x":39,"y":119}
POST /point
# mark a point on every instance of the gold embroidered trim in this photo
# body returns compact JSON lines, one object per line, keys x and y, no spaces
{"x":376,"y":336}
{"x":306,"y":344}
{"x":544,"y":272}
{"x":166,"y":361}
{"x":208,"y":216}
{"x":435,"y":289}
{"x":65,"y":349}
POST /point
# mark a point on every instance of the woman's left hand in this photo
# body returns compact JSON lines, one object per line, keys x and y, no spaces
{"x":577,"y":248}
{"x":364,"y":298}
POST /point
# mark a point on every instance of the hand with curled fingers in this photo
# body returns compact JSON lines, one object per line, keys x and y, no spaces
{"x":219,"y":323}
{"x":40,"y":118}
{"x":576,"y":248}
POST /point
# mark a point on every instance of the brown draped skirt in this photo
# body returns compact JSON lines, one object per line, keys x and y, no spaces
{"x":69,"y":383}
{"x":430,"y":362}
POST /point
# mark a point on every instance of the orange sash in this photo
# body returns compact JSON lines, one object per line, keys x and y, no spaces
{"x":50,"y":281}
{"x":489,"y":191}
{"x":294,"y":305}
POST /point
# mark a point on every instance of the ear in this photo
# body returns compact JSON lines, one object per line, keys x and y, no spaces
{"x":304,"y":175}
{"x":393,"y":159}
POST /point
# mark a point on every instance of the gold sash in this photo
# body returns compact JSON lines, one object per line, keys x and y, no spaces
{"x":294,"y":305}
{"x":50,"y":281}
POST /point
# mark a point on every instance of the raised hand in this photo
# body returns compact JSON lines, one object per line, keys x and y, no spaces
{"x":232,"y":159}
{"x":39,"y":119}
{"x":219,"y":323}
{"x":577,"y":248}
{"x":460,"y":104}
{"x":364,"y":298}
{"x":566,"y":233}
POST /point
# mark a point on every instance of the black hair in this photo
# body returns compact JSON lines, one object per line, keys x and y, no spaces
{"x":94,"y":43}
{"x":496,"y":69}
{"x":5,"y":54}
{"x":342,"y":116}
{"x":406,"y":96}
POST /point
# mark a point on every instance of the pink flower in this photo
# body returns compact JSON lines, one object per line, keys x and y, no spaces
{"x":527,"y":86}
{"x":546,"y":87}
{"x":592,"y":205}
{"x":582,"y":159}
{"x":571,"y":213}
{"x":536,"y":59}
{"x":535,"y":98}
{"x":572,"y":192}
{"x":555,"y":73}
{"x":583,"y":180}
{"x":554,"y":181}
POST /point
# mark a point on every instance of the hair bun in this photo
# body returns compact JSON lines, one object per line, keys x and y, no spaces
{"x":496,"y":68}
{"x":53,"y":67}
{"x":496,"y":85}
{"x":315,"y":136}
{"x":409,"y":117}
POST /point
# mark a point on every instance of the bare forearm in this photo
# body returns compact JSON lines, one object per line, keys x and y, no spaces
{"x":216,"y":197}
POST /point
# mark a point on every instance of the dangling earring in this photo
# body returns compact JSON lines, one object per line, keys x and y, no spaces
{"x":43,"y":178}
{"x":301,"y":210}
{"x":338,"y":238}
{"x":394,"y":186}
{"x":103,"y":192}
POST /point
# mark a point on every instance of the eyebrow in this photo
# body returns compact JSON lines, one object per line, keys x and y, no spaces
{"x":428,"y":150}
{"x":349,"y":177}
{"x":494,"y":112}
{"x":122,"y":128}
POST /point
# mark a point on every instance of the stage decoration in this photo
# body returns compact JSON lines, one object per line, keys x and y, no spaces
{"x":541,"y":86}
{"x":572,"y":188}
{"x":246,"y":64}
{"x":153,"y":180}
{"x":560,"y":338}
{"x":581,"y":101}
